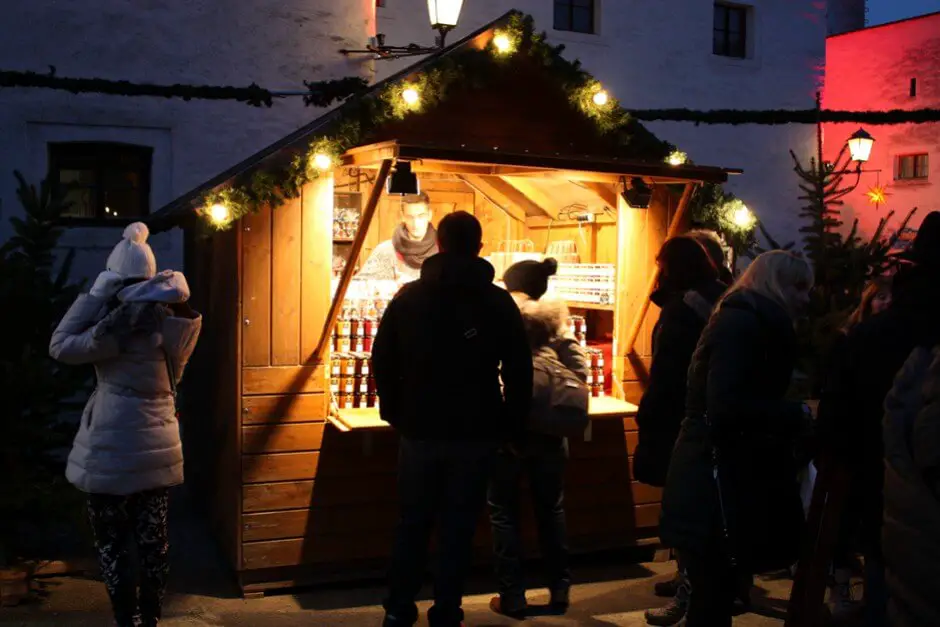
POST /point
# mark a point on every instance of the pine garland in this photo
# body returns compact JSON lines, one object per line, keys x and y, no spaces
{"x":773,"y":117}
{"x":320,"y":93}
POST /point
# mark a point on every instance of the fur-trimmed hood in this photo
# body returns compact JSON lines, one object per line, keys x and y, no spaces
{"x":550,"y":314}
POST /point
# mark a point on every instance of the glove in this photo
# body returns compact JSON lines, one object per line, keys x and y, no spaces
{"x":107,"y":285}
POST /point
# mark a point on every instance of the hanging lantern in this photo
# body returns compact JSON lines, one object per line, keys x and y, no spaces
{"x":411,"y":96}
{"x":219,"y":214}
{"x":742,"y":217}
{"x":503,"y":43}
{"x":860,"y":145}
{"x":444,"y":13}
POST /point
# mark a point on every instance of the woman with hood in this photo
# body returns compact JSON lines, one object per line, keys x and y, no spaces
{"x":687,"y":292}
{"x":541,"y":458}
{"x":731,"y":505}
{"x":136,"y":328}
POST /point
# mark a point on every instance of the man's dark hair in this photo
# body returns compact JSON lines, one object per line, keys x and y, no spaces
{"x":685,"y":264}
{"x":460,"y":233}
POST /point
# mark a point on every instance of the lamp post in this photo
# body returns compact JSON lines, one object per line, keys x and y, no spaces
{"x":443,"y":15}
{"x":859,"y":147}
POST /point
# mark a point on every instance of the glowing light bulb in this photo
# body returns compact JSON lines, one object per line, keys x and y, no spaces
{"x":219,"y":213}
{"x":676,"y":158}
{"x":322,"y":161}
{"x":601,"y":98}
{"x":743,"y":218}
{"x":502,"y":43}
{"x":410,"y":96}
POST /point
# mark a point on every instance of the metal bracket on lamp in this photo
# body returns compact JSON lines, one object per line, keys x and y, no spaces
{"x":380,"y":51}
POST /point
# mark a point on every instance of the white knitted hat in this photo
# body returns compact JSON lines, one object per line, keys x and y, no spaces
{"x":132,"y":257}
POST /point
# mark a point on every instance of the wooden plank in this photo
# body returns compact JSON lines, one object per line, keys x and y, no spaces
{"x":337,"y":491}
{"x":635,"y":326}
{"x":283,"y":438}
{"x":317,"y":262}
{"x":256,"y":288}
{"x":274,"y":553}
{"x":492,"y":190}
{"x":319,"y":521}
{"x":606,"y":192}
{"x":534,"y":194}
{"x":337,"y":301}
{"x":283,"y":380}
{"x":285,"y":283}
{"x":328,"y":462}
{"x":284,"y":408}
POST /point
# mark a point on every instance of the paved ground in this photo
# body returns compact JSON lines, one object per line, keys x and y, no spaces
{"x":203,"y":594}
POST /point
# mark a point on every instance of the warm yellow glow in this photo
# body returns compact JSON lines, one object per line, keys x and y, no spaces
{"x":860,"y":145}
{"x":411,"y":96}
{"x":877,"y":195}
{"x":601,"y":98}
{"x":219,"y":213}
{"x":322,"y":161}
{"x":743,"y":218}
{"x":677,"y":157}
{"x":503,"y":43}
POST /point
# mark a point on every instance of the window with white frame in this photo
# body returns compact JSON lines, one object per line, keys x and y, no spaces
{"x":103,"y":182}
{"x":914,"y":167}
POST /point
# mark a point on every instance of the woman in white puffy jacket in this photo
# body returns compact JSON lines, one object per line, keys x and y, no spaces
{"x":138,"y":331}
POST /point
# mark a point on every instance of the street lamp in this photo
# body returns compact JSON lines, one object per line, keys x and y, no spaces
{"x":860,"y":145}
{"x":443,"y":15}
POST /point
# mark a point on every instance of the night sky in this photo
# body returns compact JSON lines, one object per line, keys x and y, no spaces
{"x":881,"y":11}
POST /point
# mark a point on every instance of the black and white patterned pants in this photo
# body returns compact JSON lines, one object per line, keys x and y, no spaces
{"x":117,"y":519}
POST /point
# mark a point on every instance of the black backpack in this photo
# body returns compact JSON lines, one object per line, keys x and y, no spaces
{"x":559,"y":398}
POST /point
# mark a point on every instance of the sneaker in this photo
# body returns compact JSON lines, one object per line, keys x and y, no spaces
{"x":496,"y":606}
{"x":668,"y":589}
{"x":674,"y":611}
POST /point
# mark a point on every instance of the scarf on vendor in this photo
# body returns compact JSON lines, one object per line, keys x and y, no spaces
{"x":414,"y":253}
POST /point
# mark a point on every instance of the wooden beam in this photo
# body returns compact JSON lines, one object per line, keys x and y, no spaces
{"x":542,"y":222}
{"x":367,"y":214}
{"x":637,"y":324}
{"x":535,"y":195}
{"x":606,"y":192}
{"x":482,"y":186}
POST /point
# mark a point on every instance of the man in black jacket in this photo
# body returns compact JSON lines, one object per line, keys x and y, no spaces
{"x":441,"y":349}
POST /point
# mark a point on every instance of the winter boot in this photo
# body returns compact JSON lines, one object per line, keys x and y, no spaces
{"x":675,"y":610}
{"x":668,"y":589}
{"x":842,"y":605}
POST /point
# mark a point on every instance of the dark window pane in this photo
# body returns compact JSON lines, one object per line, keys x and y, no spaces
{"x":921,"y":169}
{"x":582,"y":20}
{"x":735,"y":45}
{"x":587,"y":4}
{"x":562,"y":16}
{"x":735,"y":20}
{"x":718,"y":42}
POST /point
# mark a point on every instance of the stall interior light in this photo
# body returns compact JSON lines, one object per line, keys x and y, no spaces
{"x":860,"y":145}
{"x":639,"y":194}
{"x":402,"y":181}
{"x":322,"y":161}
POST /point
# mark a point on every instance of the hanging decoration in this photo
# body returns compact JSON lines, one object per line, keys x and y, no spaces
{"x":877,"y":195}
{"x":677,"y":158}
{"x":505,"y":42}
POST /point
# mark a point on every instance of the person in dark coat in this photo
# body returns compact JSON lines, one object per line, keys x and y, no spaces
{"x":443,"y":346}
{"x":541,"y":459}
{"x":731,"y":502}
{"x":712,"y":244}
{"x":688,"y":290}
{"x":911,"y":535}
{"x":859,"y":381}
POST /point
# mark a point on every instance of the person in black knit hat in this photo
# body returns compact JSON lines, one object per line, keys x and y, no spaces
{"x":530,"y":277}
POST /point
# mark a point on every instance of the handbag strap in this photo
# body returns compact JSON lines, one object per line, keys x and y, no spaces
{"x":171,"y":373}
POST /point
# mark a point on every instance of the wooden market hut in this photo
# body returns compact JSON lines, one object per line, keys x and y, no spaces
{"x":299,"y":491}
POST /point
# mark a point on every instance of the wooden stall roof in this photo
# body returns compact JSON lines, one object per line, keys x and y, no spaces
{"x":500,"y":163}
{"x":524,"y":107}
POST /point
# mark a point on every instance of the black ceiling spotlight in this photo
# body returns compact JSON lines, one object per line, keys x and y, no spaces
{"x":402,"y":180}
{"x":639,"y":194}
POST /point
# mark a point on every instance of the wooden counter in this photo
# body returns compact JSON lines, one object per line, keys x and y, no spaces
{"x":602,"y":408}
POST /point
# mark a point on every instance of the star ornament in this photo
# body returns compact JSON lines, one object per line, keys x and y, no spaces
{"x":877,"y":195}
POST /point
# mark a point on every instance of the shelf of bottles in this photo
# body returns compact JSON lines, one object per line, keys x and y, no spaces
{"x":351,"y":380}
{"x":593,"y":285}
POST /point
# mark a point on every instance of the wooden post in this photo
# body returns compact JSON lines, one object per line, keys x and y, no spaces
{"x":350,"y":266}
{"x":637,"y":324}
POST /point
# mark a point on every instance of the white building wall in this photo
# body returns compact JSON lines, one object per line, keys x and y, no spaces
{"x":659,"y":54}
{"x":872,"y":69}
{"x":276,"y":44}
{"x":649,"y":54}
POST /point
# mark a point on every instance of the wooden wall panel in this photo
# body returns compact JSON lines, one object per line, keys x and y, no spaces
{"x":317,"y":262}
{"x":256,"y":288}
{"x":345,"y":549}
{"x":340,"y":491}
{"x":286,"y":267}
{"x":282,"y":438}
{"x":284,"y":408}
{"x":279,"y":467}
{"x":283,"y":380}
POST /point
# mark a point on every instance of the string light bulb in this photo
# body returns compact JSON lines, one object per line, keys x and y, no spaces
{"x":503,"y":43}
{"x":677,"y":158}
{"x":322,"y":161}
{"x":410,"y":96}
{"x":743,"y":218}
{"x":219,"y":214}
{"x":601,"y":98}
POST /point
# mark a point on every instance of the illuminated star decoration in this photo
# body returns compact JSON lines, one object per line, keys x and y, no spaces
{"x":877,"y":195}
